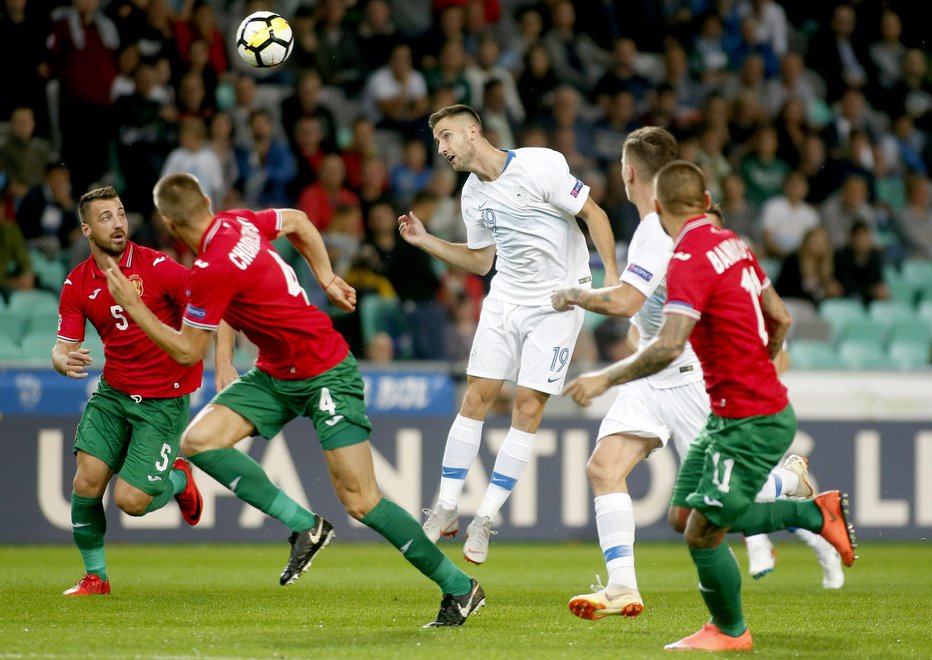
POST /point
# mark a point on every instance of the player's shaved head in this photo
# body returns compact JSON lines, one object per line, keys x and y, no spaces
{"x":84,"y":203}
{"x":458,"y":110}
{"x":648,"y":149}
{"x":680,"y":188}
{"x":180,"y":197}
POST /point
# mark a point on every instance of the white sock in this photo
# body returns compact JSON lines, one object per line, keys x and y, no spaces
{"x":461,"y":450}
{"x":779,"y":481}
{"x":614,"y":519}
{"x":813,"y":540}
{"x":513,"y":457}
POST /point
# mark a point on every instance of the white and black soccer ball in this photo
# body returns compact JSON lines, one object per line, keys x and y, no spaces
{"x":264,"y":39}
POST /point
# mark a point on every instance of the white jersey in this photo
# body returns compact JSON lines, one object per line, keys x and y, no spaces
{"x":529,"y":214}
{"x":648,"y":257}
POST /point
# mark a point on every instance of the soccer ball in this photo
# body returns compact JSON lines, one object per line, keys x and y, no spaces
{"x":264,"y":39}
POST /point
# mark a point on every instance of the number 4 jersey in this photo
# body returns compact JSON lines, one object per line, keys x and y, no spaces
{"x":714,"y":278}
{"x":134,"y":364}
{"x":238,"y":277}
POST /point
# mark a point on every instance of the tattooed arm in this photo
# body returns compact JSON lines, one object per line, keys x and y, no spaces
{"x":622,"y":300}
{"x":669,"y":345}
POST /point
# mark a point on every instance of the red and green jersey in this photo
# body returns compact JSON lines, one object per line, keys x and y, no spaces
{"x":134,"y":363}
{"x":714,"y":278}
{"x":238,"y":277}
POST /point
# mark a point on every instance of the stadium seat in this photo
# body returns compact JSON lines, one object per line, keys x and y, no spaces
{"x":917,"y":272}
{"x":924,"y":310}
{"x":857,"y":354}
{"x":380,"y":314}
{"x":841,"y":311}
{"x":50,"y":273}
{"x":771,"y":267}
{"x":867,"y":330}
{"x":12,"y":327}
{"x":33,"y":301}
{"x":9,"y":351}
{"x":916,"y":330}
{"x":37,"y":347}
{"x":816,"y":329}
{"x":806,"y":354}
{"x":45,"y":321}
{"x":909,"y":354}
{"x":890,"y":312}
{"x":801,"y":309}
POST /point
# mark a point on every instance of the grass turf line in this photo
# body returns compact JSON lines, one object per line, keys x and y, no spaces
{"x":363,"y":601}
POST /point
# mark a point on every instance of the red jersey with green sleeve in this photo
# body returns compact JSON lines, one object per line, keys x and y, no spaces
{"x":134,"y":363}
{"x":238,"y":277}
{"x":714,"y":278}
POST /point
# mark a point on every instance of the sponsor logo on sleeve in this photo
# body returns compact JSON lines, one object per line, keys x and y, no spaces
{"x":195,"y":312}
{"x":576,"y":188}
{"x":641,"y":272}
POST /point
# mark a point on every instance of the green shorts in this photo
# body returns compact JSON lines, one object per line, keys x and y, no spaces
{"x":334,"y":401}
{"x":728,"y":464}
{"x":137,"y":439}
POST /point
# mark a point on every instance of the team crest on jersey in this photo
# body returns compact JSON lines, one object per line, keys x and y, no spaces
{"x":136,"y":281}
{"x":520,"y":193}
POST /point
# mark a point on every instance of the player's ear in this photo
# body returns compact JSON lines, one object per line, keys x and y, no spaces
{"x":657,"y":207}
{"x":86,"y":229}
{"x":707,"y":204}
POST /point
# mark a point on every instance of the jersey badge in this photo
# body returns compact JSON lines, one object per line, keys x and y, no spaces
{"x":576,"y":188}
{"x":201,"y":264}
{"x":641,"y":272}
{"x":682,"y":256}
{"x":520,"y":193}
{"x":158,"y":260}
{"x":136,"y":281}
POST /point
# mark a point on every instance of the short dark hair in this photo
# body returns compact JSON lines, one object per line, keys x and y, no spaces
{"x":84,"y":203}
{"x":452,"y":111}
{"x":651,"y":147}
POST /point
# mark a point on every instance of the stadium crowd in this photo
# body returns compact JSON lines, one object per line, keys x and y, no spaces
{"x":812,"y":122}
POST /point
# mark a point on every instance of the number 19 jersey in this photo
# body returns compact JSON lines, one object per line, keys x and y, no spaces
{"x":713,"y":277}
{"x":238,"y":277}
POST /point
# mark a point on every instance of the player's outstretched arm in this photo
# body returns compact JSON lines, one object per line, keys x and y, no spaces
{"x":600,"y":229}
{"x":307,"y":240}
{"x":778,"y":320}
{"x":621,"y":300}
{"x":69,"y":359}
{"x":457,"y":255}
{"x":669,"y":345}
{"x":186,"y":347}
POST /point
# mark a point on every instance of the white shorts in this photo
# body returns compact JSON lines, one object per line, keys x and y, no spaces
{"x":673,"y":412}
{"x":531,"y":346}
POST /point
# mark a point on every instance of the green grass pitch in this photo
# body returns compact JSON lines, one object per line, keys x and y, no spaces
{"x":364,"y":601}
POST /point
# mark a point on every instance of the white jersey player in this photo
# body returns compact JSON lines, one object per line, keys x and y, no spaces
{"x":519,"y":206}
{"x":648,"y":412}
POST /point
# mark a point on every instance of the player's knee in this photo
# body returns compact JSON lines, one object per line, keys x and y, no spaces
{"x":358,"y":504}
{"x":677,"y":517}
{"x":600,"y":473}
{"x":133,"y":503}
{"x":195,"y":440}
{"x":88,"y":486}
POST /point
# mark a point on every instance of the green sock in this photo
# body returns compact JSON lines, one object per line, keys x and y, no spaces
{"x":88,"y":527}
{"x":401,"y":530}
{"x":765,"y":517}
{"x":720,"y":586}
{"x":250,"y":483}
{"x":178,"y":480}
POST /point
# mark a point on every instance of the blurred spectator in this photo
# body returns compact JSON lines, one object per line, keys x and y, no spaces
{"x":244,"y":104}
{"x":82,"y":54}
{"x":814,"y":164}
{"x":914,"y":220}
{"x":395,"y":97}
{"x":343,"y":237}
{"x":361,"y":147}
{"x":320,"y":200}
{"x":792,"y":130}
{"x":129,"y":16}
{"x":851,"y":114}
{"x":622,"y":75}
{"x":708,"y":59}
{"x":846,"y":207}
{"x":145,"y":131}
{"x":537,"y":83}
{"x":380,"y":349}
{"x":304,"y":52}
{"x":23,"y":32}
{"x":751,"y":45}
{"x":308,"y":154}
{"x":689,"y":93}
{"x":529,"y":28}
{"x":496,"y":117}
{"x":411,"y":175}
{"x":377,"y":34}
{"x":793,"y":82}
{"x":24,"y":155}
{"x":194,"y":156}
{"x":47,"y":214}
{"x":835,"y":55}
{"x":859,"y":266}
{"x":912,"y":95}
{"x":266,"y":166}
{"x":576,"y":57}
{"x":199,"y":64}
{"x":221,"y":143}
{"x":200,"y":24}
{"x":762,"y":171}
{"x":15,"y":266}
{"x":740,"y":215}
{"x":611,"y":338}
{"x":887,"y":52}
{"x":746,"y":116}
{"x":787,"y":217}
{"x":127,"y":63}
{"x":750,"y":80}
{"x":338,"y":57}
{"x":447,"y":222}
{"x":772,"y":26}
{"x":450,"y":72}
{"x":192,"y":99}
{"x":710,"y":158}
{"x":609,"y":133}
{"x":809,"y":272}
{"x":305,"y":102}
{"x":373,"y":188}
{"x":449,"y":24}
{"x":485,"y":68}
{"x":157,"y":39}
{"x":460,"y":329}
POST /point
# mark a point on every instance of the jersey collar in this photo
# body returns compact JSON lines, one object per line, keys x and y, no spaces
{"x":511,"y":155}
{"x":209,"y":234}
{"x":126,"y":261}
{"x":689,"y":225}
